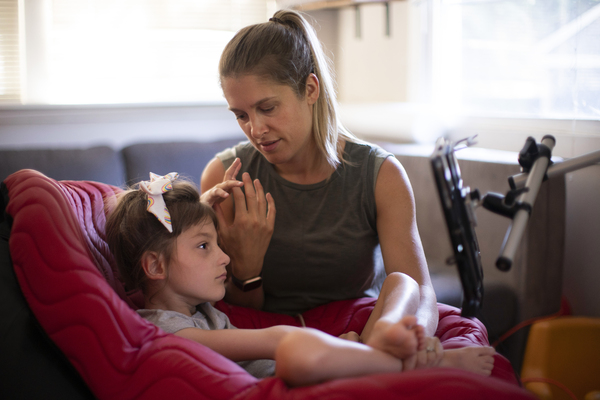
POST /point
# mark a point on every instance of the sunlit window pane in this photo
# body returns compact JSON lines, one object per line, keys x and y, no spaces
{"x":521,"y":57}
{"x":131,"y":51}
{"x":146,"y":65}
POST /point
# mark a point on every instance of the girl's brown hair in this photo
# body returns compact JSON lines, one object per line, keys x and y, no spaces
{"x":286,"y":51}
{"x":131,"y":230}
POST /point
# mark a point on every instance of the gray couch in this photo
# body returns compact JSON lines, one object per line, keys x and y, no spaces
{"x":116,"y":167}
{"x":532,"y":287}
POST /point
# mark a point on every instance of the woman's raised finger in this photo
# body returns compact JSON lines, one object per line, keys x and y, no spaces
{"x":233,"y":170}
{"x":271,"y":211}
{"x":251,"y":200}
{"x":260,"y":195}
{"x":239,"y":201}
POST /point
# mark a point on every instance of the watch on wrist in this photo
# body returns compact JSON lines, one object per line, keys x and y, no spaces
{"x":248,"y":284}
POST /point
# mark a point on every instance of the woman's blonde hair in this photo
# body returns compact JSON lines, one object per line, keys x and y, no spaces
{"x":286,"y":50}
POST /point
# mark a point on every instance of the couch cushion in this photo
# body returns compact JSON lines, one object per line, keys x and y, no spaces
{"x":100,"y":164}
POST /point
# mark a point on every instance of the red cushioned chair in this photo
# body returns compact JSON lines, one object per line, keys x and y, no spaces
{"x":67,"y":276}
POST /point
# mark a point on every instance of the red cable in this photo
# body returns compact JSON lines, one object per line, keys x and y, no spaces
{"x":564,"y":310}
{"x":524,"y":324}
{"x":552,"y":382}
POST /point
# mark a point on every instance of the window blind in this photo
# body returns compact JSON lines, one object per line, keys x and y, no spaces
{"x":10,"y":74}
{"x":129,"y":51}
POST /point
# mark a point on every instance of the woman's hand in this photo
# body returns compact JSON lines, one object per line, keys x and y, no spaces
{"x":246,"y":224}
{"x":246,"y":239}
{"x":220,"y":192}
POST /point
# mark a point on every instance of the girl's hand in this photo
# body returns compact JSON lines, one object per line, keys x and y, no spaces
{"x":351,"y":336}
{"x":220,"y":192}
{"x":428,"y":357}
{"x":246,"y":240}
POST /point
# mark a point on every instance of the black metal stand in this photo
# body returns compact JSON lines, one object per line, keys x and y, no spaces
{"x":458,"y":204}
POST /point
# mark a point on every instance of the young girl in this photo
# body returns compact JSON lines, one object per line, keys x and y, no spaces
{"x":164,"y":239}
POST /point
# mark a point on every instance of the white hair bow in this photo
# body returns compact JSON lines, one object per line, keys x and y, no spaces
{"x":155,"y":187}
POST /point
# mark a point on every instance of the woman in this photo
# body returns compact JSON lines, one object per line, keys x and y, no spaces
{"x":337,"y":197}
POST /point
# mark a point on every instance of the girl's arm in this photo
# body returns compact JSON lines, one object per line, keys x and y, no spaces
{"x":240,"y":344}
{"x":303,"y":356}
{"x":245,"y":236}
{"x":401,"y":245}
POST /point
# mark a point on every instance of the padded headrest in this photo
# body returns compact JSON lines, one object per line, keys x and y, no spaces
{"x":57,"y":248}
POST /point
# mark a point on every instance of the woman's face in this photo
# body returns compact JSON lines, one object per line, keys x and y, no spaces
{"x":275,"y":120}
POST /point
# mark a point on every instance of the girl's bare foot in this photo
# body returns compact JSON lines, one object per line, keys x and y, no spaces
{"x":401,"y":339}
{"x":475,"y":359}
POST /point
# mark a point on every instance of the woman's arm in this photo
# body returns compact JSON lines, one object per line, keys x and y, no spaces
{"x":244,"y":234}
{"x":401,"y":245}
{"x":240,"y":344}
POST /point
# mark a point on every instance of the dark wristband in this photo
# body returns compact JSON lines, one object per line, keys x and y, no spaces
{"x":248,"y":284}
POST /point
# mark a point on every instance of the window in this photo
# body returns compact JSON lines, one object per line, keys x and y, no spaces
{"x":519,"y":58}
{"x":10,"y":76}
{"x":125,"y":51}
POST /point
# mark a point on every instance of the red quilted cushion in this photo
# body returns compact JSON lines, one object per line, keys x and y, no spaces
{"x":67,"y":276}
{"x":340,"y":317}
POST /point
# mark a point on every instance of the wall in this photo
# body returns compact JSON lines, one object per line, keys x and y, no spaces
{"x":582,"y":248}
{"x":115,"y":126}
{"x":360,"y":58}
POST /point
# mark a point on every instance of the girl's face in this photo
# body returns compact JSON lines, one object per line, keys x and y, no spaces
{"x":275,"y":120}
{"x":197,"y":270}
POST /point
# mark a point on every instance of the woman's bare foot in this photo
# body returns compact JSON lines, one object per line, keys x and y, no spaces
{"x":475,"y":359}
{"x":401,"y":339}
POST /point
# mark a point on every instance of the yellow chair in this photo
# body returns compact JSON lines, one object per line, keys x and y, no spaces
{"x":563,"y":352}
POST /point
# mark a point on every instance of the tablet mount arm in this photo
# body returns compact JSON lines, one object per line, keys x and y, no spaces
{"x":518,"y":202}
{"x":458,"y":204}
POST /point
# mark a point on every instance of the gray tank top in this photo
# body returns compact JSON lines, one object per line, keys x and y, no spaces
{"x":325,"y":245}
